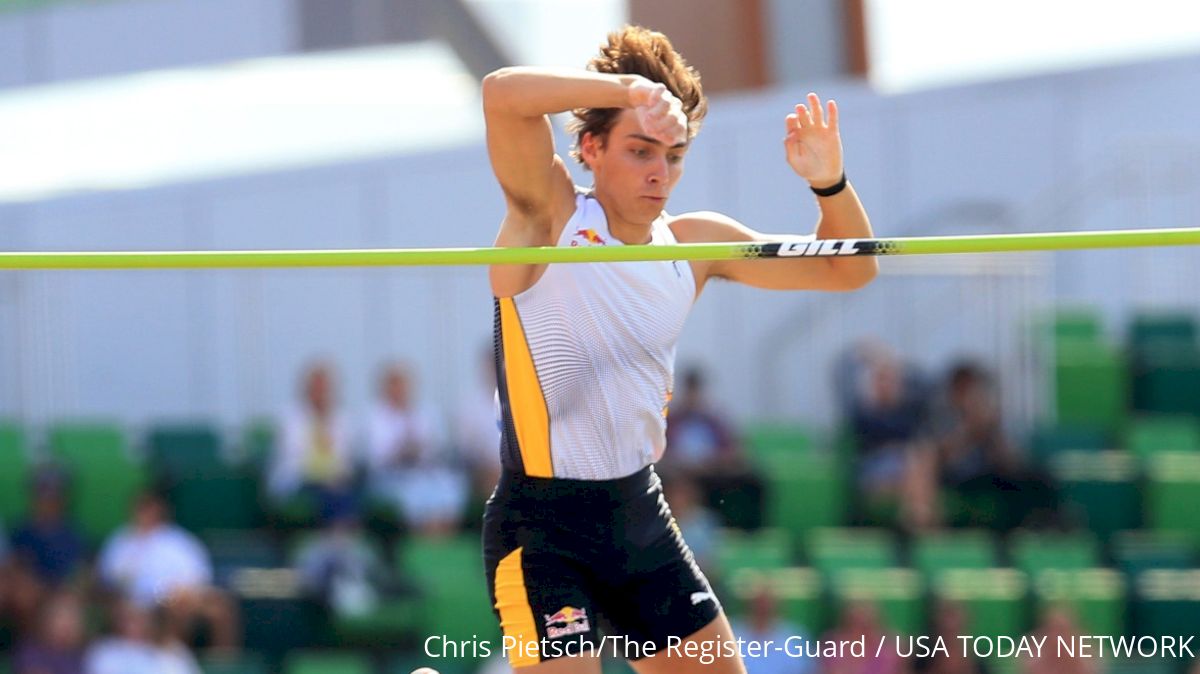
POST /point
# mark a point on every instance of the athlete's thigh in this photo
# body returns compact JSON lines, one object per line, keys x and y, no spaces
{"x":716,"y":639}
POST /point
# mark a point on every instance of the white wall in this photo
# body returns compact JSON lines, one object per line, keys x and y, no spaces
{"x":1115,"y":148}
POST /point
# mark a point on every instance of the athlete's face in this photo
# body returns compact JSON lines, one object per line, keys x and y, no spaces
{"x":634,"y":172}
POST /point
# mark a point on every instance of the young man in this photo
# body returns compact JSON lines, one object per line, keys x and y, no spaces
{"x":577,"y":529}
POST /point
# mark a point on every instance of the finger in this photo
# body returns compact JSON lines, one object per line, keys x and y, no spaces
{"x":833,"y":115}
{"x":792,"y":123}
{"x":803,"y":116}
{"x":814,"y":102}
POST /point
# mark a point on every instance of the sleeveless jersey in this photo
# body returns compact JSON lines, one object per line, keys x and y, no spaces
{"x":585,"y":358}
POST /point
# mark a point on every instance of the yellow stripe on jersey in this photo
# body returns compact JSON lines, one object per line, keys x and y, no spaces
{"x":516,"y":615}
{"x":525,"y":398}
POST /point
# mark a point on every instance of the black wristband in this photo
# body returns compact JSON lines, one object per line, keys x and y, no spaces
{"x":832,"y":189}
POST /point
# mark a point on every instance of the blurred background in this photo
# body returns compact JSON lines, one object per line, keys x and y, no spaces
{"x":251,"y":471}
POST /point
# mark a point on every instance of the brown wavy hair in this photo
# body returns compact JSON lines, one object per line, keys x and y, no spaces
{"x":635,"y":50}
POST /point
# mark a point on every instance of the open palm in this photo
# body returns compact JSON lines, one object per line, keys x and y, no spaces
{"x":813,"y":143}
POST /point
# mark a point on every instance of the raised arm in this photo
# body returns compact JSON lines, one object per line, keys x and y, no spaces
{"x":814,"y":151}
{"x":536,"y":184}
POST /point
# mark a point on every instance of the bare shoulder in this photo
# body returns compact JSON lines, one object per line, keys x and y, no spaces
{"x":710,"y":227}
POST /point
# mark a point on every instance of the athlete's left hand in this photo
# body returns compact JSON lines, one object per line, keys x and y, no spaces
{"x":813,"y":143}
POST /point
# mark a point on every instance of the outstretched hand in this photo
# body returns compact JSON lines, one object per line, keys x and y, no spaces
{"x":659,"y":112}
{"x":813,"y":143}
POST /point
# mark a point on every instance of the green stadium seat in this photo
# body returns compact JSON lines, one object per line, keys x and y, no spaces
{"x":449,"y":571}
{"x":796,"y":590}
{"x":14,"y":473}
{"x":995,"y":599}
{"x":1048,"y":440}
{"x":330,"y":662}
{"x":104,"y":478}
{"x":767,"y":548}
{"x":935,"y":554}
{"x":1172,"y":493}
{"x":1090,"y":385}
{"x":258,"y":441}
{"x":772,"y":444}
{"x":1167,"y":602}
{"x":1166,"y":379}
{"x":1100,"y":489}
{"x":809,"y":492}
{"x":1141,"y":550}
{"x":1035,"y":553}
{"x":181,"y":451}
{"x":1149,"y":435}
{"x":833,"y":551}
{"x":1073,"y":323}
{"x":228,"y":501}
{"x":1149,"y":330}
{"x":897,"y":593}
{"x":1097,"y":597}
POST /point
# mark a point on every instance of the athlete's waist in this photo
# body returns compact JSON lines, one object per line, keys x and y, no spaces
{"x":619,"y":490}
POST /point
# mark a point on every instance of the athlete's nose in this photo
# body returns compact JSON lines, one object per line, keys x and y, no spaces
{"x":659,"y":172}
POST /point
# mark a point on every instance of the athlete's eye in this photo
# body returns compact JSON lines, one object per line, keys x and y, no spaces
{"x":675,"y":158}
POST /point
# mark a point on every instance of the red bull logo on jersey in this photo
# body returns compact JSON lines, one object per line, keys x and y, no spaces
{"x":589,"y":237}
{"x":568,"y":620}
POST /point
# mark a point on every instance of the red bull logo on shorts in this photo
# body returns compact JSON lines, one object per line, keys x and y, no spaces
{"x":589,"y":236}
{"x":568,"y":620}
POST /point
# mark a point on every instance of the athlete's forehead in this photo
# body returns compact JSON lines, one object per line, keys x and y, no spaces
{"x":629,"y":128}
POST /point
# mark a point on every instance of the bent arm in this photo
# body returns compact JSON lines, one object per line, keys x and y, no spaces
{"x":516,"y":102}
{"x":842,"y":217}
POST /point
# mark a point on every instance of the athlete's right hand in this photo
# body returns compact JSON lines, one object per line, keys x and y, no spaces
{"x":659,"y":111}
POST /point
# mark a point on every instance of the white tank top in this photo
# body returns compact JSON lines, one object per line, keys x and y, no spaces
{"x":586,"y":358}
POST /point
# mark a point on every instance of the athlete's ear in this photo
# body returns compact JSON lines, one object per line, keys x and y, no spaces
{"x":590,"y":146}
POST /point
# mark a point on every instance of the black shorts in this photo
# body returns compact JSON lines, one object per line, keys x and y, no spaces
{"x":564,"y":555}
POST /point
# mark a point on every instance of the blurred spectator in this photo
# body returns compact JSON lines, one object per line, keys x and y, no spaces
{"x":49,"y":546}
{"x":339,"y":567}
{"x":762,"y":623}
{"x":410,"y":465}
{"x":887,"y":415}
{"x":701,"y":440}
{"x":152,"y":561}
{"x":139,"y":644}
{"x":949,"y":622}
{"x":859,"y":620}
{"x":477,"y":427}
{"x":1056,"y":622}
{"x":702,"y":444}
{"x":975,"y":457}
{"x":314,"y":456}
{"x":701,"y":528}
{"x":56,"y":646}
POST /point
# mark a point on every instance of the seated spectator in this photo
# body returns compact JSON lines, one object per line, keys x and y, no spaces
{"x":409,"y":463}
{"x":976,"y":458}
{"x":139,"y":643}
{"x":49,"y":546}
{"x":340,"y":568}
{"x":152,"y":562}
{"x":701,"y":441}
{"x":314,"y":457}
{"x":56,"y":645}
{"x":762,"y":623}
{"x":949,"y":622}
{"x":859,"y":620}
{"x":702,"y":444}
{"x":477,"y":428}
{"x":1057,"y":622}
{"x":887,"y":416}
